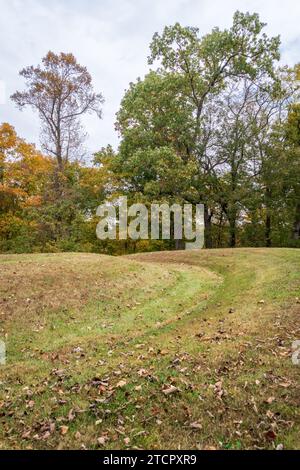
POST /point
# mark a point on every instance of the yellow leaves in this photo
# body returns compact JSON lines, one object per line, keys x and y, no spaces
{"x":9,"y":197}
{"x":10,"y":192}
{"x":33,"y":201}
{"x":16,"y":148}
{"x":30,"y":171}
{"x":11,"y":224}
{"x":23,"y":171}
{"x":8,"y":137}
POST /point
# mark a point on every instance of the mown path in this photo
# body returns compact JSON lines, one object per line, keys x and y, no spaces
{"x":159,"y":350}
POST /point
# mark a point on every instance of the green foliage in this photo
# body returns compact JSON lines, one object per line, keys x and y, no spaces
{"x":202,"y":128}
{"x":216,"y":123}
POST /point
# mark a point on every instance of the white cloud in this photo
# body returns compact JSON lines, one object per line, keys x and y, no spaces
{"x":112,"y":38}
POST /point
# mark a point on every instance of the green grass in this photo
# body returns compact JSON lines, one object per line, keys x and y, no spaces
{"x":93,"y":342}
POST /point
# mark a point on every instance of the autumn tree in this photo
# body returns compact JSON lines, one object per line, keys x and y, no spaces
{"x":32,"y":217}
{"x":61,"y":91}
{"x":24,"y":174}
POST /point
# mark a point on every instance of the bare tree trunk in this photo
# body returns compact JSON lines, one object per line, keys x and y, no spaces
{"x":59,"y":155}
{"x":268,"y":220}
{"x":232,"y":228}
{"x":232,"y":241}
{"x":179,"y":245}
{"x":207,"y":226}
{"x":220,"y":226}
{"x":268,"y":230}
{"x":297,"y":223}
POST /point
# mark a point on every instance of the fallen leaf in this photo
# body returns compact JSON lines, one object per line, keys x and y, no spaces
{"x":170,"y":390}
{"x":26,"y":435}
{"x":102,"y":440}
{"x":121,"y":384}
{"x":270,"y":435}
{"x":196,"y":425}
{"x":285,"y":384}
{"x":143,"y":373}
{"x":270,"y":400}
{"x":163,"y":352}
{"x":64,"y":430}
{"x":71,"y":415}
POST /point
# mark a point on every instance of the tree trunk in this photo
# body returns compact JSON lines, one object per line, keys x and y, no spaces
{"x":58,"y":143}
{"x":220,"y":227}
{"x":268,"y":221}
{"x":207,"y":226}
{"x":1,"y":174}
{"x":179,"y":244}
{"x":232,"y":234}
{"x":297,"y":223}
{"x":232,"y":231}
{"x":268,"y":230}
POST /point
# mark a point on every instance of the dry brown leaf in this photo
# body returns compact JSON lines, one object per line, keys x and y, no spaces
{"x":64,"y":430}
{"x":121,"y":384}
{"x":71,"y":415}
{"x":270,"y":435}
{"x":196,"y":425}
{"x":270,"y":400}
{"x":170,"y":390}
{"x":102,"y":440}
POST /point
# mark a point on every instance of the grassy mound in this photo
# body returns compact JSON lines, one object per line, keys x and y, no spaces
{"x":160,"y":350}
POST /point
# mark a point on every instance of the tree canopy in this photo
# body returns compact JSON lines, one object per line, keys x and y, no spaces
{"x":214,"y":121}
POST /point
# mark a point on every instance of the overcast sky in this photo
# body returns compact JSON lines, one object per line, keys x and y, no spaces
{"x":111,"y":38}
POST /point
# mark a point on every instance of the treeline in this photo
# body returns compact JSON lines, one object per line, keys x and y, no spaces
{"x":215,"y":121}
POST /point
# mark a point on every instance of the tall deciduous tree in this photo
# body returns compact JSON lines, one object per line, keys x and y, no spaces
{"x":61,"y":91}
{"x":192,"y":71}
{"x":293,"y":139}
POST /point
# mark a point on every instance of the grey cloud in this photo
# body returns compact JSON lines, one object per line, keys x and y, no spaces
{"x":111,"y":38}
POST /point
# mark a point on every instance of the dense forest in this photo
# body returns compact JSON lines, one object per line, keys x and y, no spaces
{"x":215,"y":121}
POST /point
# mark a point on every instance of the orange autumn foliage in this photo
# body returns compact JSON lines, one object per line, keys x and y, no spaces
{"x":23,"y":171}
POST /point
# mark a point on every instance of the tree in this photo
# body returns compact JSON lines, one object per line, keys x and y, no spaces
{"x":245,"y":112}
{"x":61,"y":92}
{"x":192,"y":72}
{"x":274,"y":170}
{"x":24,"y":173}
{"x":293,"y":140}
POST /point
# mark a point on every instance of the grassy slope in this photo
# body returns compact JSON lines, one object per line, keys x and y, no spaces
{"x":95,"y":343}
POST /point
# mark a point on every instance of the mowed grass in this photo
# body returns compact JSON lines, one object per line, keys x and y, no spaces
{"x":178,"y":350}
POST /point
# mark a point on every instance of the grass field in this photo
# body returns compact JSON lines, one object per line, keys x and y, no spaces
{"x":178,"y":350}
